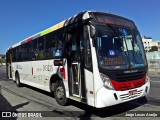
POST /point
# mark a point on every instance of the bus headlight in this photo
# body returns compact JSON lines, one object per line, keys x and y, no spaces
{"x":106,"y":81}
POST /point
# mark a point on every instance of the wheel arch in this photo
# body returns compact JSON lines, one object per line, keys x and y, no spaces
{"x":53,"y":80}
{"x":16,"y":72}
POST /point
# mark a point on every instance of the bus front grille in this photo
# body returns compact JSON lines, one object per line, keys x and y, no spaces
{"x":125,"y":97}
{"x":122,"y":77}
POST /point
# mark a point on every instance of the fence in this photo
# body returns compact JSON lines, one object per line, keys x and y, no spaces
{"x":154,"y":66}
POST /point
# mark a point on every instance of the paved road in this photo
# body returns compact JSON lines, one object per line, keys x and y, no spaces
{"x":29,"y":99}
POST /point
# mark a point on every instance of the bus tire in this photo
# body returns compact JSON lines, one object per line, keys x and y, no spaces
{"x":18,"y":83}
{"x":60,"y":93}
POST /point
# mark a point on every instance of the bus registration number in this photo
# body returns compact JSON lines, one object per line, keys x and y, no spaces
{"x":132,"y":92}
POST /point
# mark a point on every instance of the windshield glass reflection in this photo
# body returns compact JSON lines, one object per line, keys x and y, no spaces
{"x":119,"y":48}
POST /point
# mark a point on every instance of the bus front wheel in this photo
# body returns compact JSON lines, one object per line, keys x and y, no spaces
{"x":60,"y":93}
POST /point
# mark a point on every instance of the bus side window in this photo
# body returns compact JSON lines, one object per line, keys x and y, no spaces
{"x":34,"y":49}
{"x":14,"y":54}
{"x":81,"y":49}
{"x":41,"y":43}
{"x":54,"y":44}
{"x":49,"y":46}
{"x":57,"y":45}
{"x":18,"y":52}
{"x":26,"y":52}
{"x":21,"y":52}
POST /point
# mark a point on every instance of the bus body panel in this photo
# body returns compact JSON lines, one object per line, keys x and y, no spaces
{"x":98,"y":83}
{"x":89,"y":87}
{"x":56,"y":45}
{"x":63,"y":74}
{"x":106,"y":97}
{"x":25,"y":70}
{"x":38,"y":73}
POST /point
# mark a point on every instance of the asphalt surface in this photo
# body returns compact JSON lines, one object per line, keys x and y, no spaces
{"x":27,"y":100}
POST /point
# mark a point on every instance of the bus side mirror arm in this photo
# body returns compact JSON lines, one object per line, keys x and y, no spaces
{"x":93,"y":34}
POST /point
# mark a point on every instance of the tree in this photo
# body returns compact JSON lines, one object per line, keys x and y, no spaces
{"x":153,"y":48}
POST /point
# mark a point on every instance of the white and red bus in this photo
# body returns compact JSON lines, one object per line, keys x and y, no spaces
{"x":93,"y":57}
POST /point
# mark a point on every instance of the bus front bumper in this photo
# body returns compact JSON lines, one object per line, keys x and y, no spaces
{"x":105,"y":97}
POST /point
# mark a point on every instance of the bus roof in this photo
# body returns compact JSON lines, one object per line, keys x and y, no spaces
{"x":44,"y":32}
{"x":98,"y":17}
{"x":108,"y":18}
{"x":53,"y":28}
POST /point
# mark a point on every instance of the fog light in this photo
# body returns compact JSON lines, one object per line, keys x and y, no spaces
{"x":115,"y":96}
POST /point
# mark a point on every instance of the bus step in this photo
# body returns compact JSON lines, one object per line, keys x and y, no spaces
{"x":75,"y":98}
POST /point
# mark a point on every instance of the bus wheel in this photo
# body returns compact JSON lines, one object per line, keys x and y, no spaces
{"x":60,"y":93}
{"x":18,"y":83}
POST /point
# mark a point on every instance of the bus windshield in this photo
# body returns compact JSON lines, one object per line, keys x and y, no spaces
{"x":119,"y":48}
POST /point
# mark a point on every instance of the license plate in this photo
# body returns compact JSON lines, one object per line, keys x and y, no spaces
{"x":132,"y":92}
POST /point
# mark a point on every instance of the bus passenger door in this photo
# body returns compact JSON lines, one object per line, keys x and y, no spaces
{"x":74,"y":65}
{"x":80,"y":73}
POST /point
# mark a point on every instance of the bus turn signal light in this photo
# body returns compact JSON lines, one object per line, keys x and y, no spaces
{"x":63,"y":72}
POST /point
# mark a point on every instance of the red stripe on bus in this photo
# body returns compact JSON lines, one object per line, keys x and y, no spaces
{"x":120,"y":86}
{"x":29,"y":39}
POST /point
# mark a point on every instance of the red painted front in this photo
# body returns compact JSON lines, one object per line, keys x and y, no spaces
{"x":120,"y":86}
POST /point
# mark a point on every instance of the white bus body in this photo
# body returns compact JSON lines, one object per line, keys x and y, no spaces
{"x":83,"y":74}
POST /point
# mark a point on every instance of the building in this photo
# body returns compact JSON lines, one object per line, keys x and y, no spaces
{"x":2,"y":57}
{"x":147,"y":43}
{"x":154,"y":43}
{"x":158,"y":45}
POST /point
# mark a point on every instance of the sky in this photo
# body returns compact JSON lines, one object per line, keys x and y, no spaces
{"x":20,"y":19}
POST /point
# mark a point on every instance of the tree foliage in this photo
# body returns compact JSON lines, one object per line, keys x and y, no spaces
{"x":0,"y":61}
{"x":153,"y":48}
